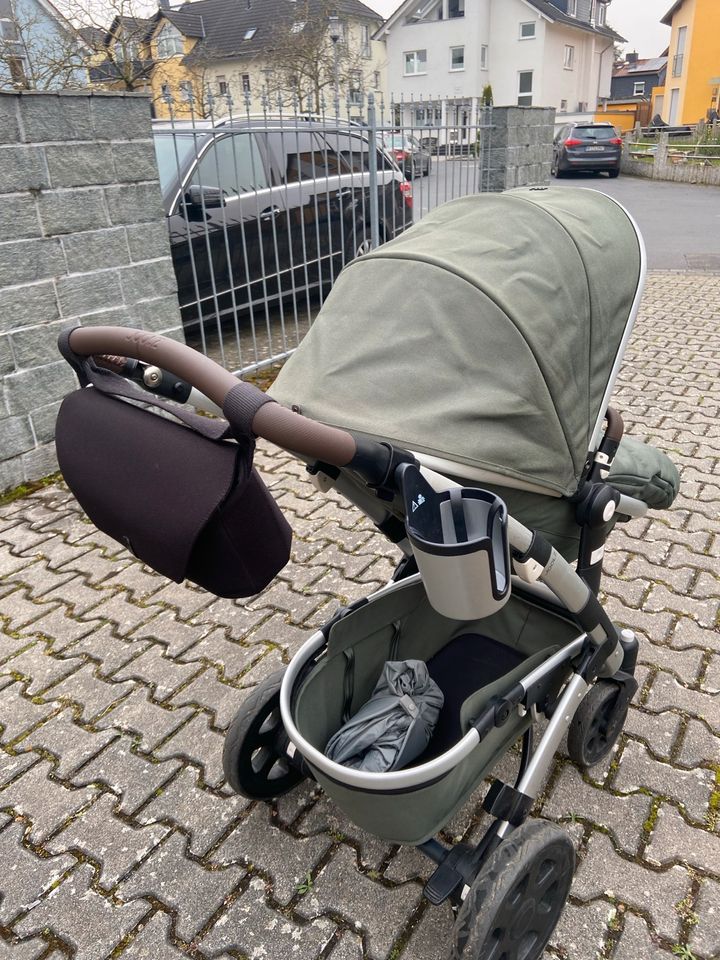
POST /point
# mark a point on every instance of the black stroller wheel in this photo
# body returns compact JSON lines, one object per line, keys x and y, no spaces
{"x":596,"y":726}
{"x":517,"y":897}
{"x":254,"y":762}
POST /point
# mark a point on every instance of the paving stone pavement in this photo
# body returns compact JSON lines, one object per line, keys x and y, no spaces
{"x":118,"y":837}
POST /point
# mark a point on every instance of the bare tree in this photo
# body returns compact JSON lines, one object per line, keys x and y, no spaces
{"x":311,"y":56}
{"x":37,"y":53}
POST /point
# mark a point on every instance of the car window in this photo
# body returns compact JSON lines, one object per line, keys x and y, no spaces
{"x":595,"y":133}
{"x":353,"y":152}
{"x":303,"y":156}
{"x":233,"y":164}
{"x":172,"y":152}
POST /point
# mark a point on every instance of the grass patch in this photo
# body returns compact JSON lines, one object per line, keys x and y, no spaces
{"x":25,"y":489}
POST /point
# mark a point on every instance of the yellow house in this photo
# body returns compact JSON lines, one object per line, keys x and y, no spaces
{"x":692,"y":86}
{"x":207,"y":63}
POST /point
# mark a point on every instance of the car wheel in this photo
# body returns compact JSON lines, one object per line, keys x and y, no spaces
{"x":613,"y":173}
{"x":427,"y":168}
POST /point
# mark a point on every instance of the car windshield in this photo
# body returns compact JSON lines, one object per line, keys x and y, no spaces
{"x":595,"y":133}
{"x":397,"y":143}
{"x":172,"y":151}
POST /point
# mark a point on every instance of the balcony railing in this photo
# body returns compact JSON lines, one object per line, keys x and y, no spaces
{"x":678,"y":64}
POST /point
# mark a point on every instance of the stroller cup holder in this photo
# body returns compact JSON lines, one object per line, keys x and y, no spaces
{"x":459,"y":538}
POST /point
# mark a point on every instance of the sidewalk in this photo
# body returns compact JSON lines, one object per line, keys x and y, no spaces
{"x":118,"y":838}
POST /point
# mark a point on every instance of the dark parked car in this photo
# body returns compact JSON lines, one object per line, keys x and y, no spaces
{"x":260,"y":211}
{"x":587,"y":146}
{"x":410,"y":155}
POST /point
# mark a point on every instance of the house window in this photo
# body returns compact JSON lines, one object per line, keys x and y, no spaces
{"x":563,"y":106}
{"x":355,"y":88}
{"x":169,"y":42}
{"x":483,"y":56}
{"x":456,"y":8}
{"x":569,"y":57}
{"x":602,"y":15}
{"x":16,"y":66}
{"x":415,"y":61}
{"x":186,"y":90}
{"x":365,"y":48}
{"x":639,"y":88}
{"x":222,"y":86}
{"x":572,"y":8}
{"x":457,"y":58}
{"x":165,"y":91}
{"x":677,"y":67}
{"x":249,"y":34}
{"x":126,"y":50}
{"x":525,"y":86}
{"x":527,"y":30}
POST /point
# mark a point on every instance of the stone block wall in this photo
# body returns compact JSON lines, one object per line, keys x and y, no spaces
{"x":519,"y":146}
{"x":83,"y":239}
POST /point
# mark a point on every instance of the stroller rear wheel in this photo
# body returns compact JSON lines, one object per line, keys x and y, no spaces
{"x":254,"y":759}
{"x":517,"y":897}
{"x":597,"y":724}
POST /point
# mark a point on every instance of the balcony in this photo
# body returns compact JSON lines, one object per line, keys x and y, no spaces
{"x":677,"y":66}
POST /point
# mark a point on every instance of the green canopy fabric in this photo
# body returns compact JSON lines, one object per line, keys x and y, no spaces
{"x":485,"y":334}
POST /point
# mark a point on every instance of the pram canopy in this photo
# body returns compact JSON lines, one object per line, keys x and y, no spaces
{"x":486,"y":334}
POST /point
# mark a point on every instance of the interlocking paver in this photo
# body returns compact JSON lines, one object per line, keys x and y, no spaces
{"x":173,"y":633}
{"x":659,"y":730}
{"x":637,"y":943}
{"x":201,"y":745}
{"x":88,"y":692}
{"x":133,"y":778}
{"x":181,"y":884}
{"x":698,"y":746}
{"x":230,"y":657}
{"x":153,"y":942}
{"x":378,"y":911}
{"x":11,"y":766}
{"x":105,"y":649}
{"x":691,"y":789}
{"x":139,"y":716}
{"x":30,"y":950}
{"x":604,"y":873}
{"x":705,"y":935}
{"x":201,"y":814}
{"x":103,"y":837}
{"x":162,"y":674}
{"x":666,"y":693}
{"x":259,"y":843}
{"x":219,"y":699}
{"x":25,"y":875}
{"x":67,"y":741}
{"x":45,"y":802}
{"x":674,"y":841}
{"x":18,"y":714}
{"x":90,"y":923}
{"x":37,"y":668}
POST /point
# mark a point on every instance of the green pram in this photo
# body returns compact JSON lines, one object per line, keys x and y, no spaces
{"x":456,"y":388}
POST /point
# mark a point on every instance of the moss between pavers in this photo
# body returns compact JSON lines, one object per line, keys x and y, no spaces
{"x":25,"y":489}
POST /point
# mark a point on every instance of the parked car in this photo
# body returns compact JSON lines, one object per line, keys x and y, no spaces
{"x":410,"y":155}
{"x":587,"y":146}
{"x":261,"y":210}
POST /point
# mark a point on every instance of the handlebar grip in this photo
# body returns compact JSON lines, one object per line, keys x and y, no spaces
{"x":269,"y":420}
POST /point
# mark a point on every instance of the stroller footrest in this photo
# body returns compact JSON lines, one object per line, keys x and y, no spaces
{"x":447,"y":877}
{"x":507,"y":803}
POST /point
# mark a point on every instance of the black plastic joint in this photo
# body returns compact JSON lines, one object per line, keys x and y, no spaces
{"x":319,"y":467}
{"x":506,"y":803}
{"x":392,"y":528}
{"x":539,"y":550}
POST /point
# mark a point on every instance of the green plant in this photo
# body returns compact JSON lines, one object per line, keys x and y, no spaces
{"x":486,"y":97}
{"x":306,"y":885}
{"x":684,"y":952}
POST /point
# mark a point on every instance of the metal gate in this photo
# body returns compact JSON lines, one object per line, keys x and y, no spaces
{"x":265,"y":209}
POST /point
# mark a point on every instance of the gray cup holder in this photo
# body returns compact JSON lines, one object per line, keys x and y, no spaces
{"x":459,"y":538}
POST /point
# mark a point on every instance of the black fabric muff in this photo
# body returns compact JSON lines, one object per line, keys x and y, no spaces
{"x":186,"y":504}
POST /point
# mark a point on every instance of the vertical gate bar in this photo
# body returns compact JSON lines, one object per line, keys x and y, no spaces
{"x":372,"y":164}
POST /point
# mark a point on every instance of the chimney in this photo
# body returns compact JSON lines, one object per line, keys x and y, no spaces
{"x":632,"y":57}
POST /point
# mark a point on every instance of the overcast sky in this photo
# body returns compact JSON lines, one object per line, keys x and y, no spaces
{"x":637,"y":20}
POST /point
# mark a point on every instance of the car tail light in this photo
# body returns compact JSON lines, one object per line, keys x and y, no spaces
{"x":572,"y":142}
{"x":616,"y":141}
{"x":406,"y":191}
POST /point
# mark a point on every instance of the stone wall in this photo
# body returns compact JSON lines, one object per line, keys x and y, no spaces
{"x":519,"y":146}
{"x":83,"y":239}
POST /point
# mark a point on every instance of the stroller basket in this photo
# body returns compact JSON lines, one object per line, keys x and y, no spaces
{"x":471,"y":661}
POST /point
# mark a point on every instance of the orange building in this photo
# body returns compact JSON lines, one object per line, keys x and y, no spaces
{"x":692,"y":86}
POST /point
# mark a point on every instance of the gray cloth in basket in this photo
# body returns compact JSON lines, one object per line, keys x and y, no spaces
{"x":396,"y":723}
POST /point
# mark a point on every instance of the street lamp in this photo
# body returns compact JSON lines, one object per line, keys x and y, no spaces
{"x":335,"y":33}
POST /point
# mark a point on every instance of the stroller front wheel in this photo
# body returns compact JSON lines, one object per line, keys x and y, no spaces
{"x":597,"y":724}
{"x":254,"y":761}
{"x":517,"y":897}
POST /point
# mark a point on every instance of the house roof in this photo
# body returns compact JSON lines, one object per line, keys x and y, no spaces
{"x":544,"y":7}
{"x":653,"y":65}
{"x":668,"y":18}
{"x":553,"y":13}
{"x":222,"y":25}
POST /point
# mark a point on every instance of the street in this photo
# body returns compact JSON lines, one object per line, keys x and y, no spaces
{"x":680,"y":222}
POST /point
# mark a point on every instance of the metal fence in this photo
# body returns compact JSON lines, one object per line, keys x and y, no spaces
{"x":265,"y":209}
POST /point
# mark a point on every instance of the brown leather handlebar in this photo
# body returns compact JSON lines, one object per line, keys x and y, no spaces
{"x":615,"y":425}
{"x":277,"y":424}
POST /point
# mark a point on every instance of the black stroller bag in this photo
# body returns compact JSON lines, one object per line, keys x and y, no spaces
{"x":185,"y":499}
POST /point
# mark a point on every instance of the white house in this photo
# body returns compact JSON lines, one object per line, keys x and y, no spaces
{"x":441,"y":54}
